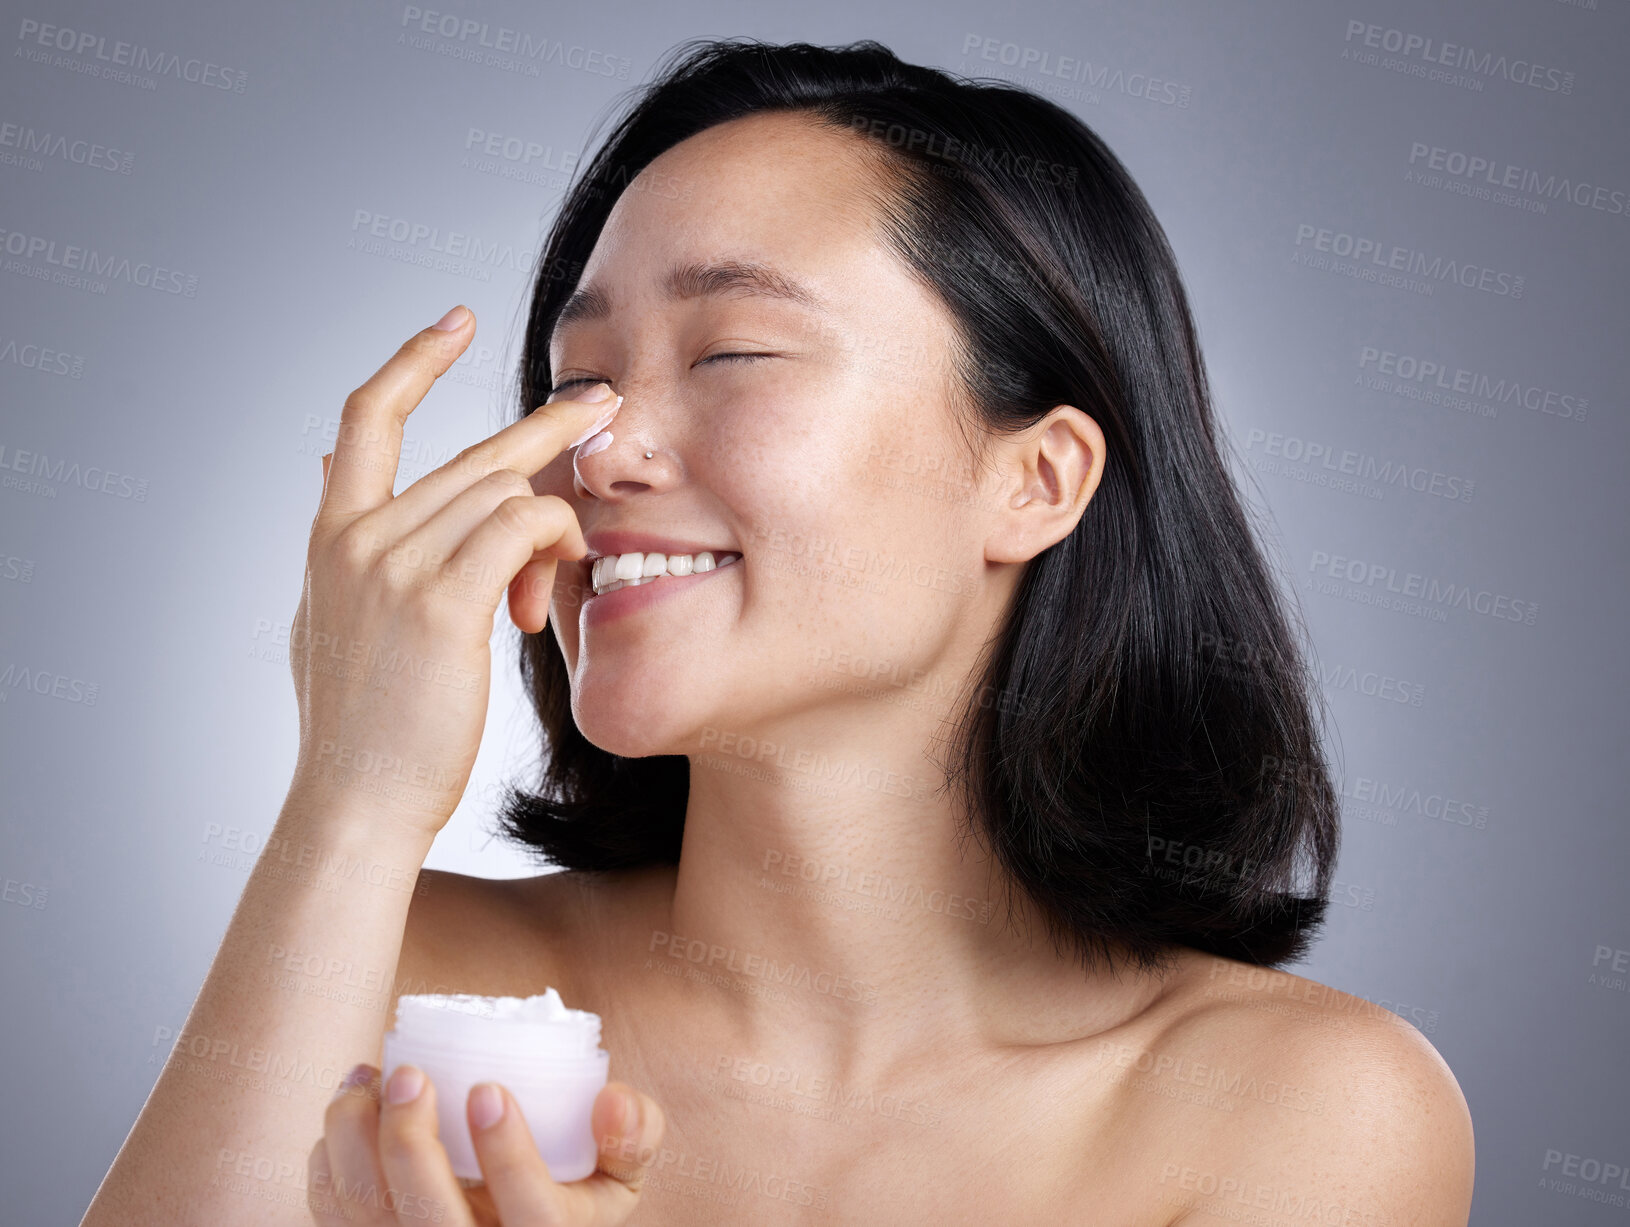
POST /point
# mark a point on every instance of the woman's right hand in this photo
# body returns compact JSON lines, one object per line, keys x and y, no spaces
{"x":389,"y":648}
{"x":381,"y":1160}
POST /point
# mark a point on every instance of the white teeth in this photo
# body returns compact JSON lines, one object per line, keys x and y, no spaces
{"x":611,"y":572}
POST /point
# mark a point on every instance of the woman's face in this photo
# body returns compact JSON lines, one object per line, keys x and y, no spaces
{"x":816,"y":461}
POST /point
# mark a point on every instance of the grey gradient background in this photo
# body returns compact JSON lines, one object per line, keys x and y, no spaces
{"x":146,"y":696}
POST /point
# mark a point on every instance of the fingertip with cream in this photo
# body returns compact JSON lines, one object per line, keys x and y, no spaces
{"x":600,"y":424}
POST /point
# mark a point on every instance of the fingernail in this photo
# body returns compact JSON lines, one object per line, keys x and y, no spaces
{"x":600,"y":424}
{"x":630,"y":1115}
{"x":405,"y":1085}
{"x":360,"y":1075}
{"x":452,"y":319}
{"x":596,"y":391}
{"x":486,"y":1105}
{"x":599,"y":443}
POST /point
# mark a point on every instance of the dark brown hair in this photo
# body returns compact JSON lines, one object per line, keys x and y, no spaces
{"x":1159,"y":783}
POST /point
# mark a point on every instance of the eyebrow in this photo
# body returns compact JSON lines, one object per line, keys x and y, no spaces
{"x":699,"y":279}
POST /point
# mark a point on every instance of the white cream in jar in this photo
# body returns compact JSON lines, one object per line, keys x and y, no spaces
{"x":546,"y":1055}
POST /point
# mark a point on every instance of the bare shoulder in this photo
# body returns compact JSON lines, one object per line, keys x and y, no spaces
{"x":1335,"y":1102}
{"x":490,"y":936}
{"x":514,"y":936}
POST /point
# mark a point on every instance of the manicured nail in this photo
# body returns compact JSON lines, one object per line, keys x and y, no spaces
{"x":599,"y":443}
{"x":360,"y":1075}
{"x":405,"y":1085}
{"x":486,"y":1105}
{"x":452,"y":319}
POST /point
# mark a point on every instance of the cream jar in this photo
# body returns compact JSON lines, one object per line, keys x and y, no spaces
{"x":547,"y":1056}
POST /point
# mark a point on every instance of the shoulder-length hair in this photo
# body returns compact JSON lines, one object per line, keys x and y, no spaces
{"x":1150,"y":773}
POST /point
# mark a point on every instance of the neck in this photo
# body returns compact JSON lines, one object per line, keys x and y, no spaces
{"x":833,"y":889}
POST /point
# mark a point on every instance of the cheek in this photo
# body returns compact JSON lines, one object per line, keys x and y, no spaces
{"x":554,"y":478}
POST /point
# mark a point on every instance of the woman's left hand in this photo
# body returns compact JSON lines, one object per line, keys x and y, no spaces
{"x":380,"y":1162}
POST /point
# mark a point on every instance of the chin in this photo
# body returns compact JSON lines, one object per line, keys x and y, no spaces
{"x":630,"y":725}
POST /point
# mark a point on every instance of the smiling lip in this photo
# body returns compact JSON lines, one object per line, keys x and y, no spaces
{"x":616,"y":541}
{"x":607,"y":605}
{"x":596,"y":610}
{"x":619,"y":541}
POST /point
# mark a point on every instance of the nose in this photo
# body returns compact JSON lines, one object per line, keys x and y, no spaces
{"x":617,"y":462}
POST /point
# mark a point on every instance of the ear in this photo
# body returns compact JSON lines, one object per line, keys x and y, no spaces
{"x":1047,"y":475}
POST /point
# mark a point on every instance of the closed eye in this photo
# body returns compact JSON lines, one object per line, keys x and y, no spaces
{"x":743,"y":357}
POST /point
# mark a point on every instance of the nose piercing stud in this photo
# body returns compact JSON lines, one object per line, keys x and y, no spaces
{"x":647,"y":455}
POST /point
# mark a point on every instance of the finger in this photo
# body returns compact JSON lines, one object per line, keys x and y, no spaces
{"x":351,"y":1131}
{"x":531,"y":591}
{"x":629,"y":1127}
{"x":369,"y":446}
{"x":516,"y":1175}
{"x":323,"y":494}
{"x":319,"y":1188}
{"x":433,"y":544}
{"x":526,"y":446}
{"x":428,"y":552}
{"x":418,"y":1176}
{"x":514,"y":533}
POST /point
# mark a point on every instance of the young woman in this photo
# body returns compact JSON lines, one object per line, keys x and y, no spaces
{"x":927,"y":855}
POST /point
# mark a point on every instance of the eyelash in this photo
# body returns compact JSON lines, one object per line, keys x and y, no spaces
{"x":735,"y":357}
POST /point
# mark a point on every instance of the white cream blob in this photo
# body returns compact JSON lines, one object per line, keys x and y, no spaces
{"x":540,"y":1028}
